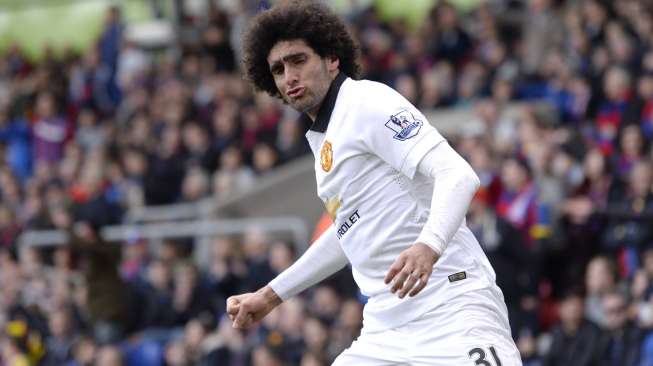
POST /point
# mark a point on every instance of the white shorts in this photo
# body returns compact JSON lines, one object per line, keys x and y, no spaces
{"x":471,"y":329}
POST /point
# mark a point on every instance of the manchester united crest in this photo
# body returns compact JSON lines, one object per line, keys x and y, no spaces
{"x":326,"y":156}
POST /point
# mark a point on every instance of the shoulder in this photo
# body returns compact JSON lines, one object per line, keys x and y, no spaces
{"x":372,"y":90}
{"x":373,"y":99}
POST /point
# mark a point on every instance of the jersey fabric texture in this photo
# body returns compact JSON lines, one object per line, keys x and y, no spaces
{"x":368,"y":141}
{"x":471,"y":329}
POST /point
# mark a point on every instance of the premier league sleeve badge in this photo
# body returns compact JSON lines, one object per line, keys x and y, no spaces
{"x":404,"y":124}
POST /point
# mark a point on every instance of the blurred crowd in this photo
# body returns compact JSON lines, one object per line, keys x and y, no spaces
{"x":565,"y":212}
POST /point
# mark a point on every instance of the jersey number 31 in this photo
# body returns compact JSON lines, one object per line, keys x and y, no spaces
{"x":479,"y":356}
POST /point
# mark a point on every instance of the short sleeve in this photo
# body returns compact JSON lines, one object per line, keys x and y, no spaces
{"x":393,"y":129}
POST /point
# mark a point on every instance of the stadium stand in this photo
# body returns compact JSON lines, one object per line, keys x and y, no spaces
{"x":551,"y":101}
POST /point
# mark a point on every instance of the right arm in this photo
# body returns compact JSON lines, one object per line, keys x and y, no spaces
{"x":322,"y":259}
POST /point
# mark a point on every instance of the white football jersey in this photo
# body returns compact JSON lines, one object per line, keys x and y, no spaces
{"x":368,"y":141}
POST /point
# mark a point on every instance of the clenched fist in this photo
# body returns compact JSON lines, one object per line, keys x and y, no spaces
{"x":412,"y":270}
{"x":248,"y":309}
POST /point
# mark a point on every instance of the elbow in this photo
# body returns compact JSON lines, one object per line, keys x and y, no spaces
{"x":477,"y":181}
{"x":465,"y":182}
{"x":472,"y":181}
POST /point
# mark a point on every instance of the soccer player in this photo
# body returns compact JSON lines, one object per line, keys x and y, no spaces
{"x":397,"y":193}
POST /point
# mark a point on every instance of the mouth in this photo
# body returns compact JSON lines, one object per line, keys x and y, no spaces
{"x":296,"y":92}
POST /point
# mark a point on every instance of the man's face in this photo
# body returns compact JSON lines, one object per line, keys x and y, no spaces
{"x":614,"y":307}
{"x":571,"y":311}
{"x":301,"y":75}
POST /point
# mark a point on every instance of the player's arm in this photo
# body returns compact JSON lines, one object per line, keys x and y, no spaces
{"x":401,"y":136}
{"x":322,"y":259}
{"x":455,"y":186}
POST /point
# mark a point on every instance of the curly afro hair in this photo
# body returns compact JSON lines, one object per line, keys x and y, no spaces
{"x":310,"y":21}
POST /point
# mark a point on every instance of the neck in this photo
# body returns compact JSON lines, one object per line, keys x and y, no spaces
{"x":312,"y":113}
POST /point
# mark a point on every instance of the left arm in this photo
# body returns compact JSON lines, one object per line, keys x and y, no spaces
{"x":455,"y":186}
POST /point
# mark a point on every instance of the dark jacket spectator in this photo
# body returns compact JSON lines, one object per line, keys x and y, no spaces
{"x":623,"y":338}
{"x":576,"y":341}
{"x":107,"y":293}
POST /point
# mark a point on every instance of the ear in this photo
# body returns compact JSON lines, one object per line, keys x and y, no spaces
{"x":333,"y":63}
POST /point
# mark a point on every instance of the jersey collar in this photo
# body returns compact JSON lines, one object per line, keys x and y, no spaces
{"x":324,"y":113}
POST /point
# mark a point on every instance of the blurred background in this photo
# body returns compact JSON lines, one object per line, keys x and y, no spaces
{"x":142,"y":182}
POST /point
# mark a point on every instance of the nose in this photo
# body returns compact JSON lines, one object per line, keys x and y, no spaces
{"x":291,"y":76}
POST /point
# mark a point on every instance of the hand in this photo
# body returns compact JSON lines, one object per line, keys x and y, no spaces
{"x":248,"y":309}
{"x":413,"y":264}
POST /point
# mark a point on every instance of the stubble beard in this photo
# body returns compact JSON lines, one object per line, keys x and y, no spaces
{"x":305,"y":104}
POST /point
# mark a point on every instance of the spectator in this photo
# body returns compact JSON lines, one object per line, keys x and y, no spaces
{"x":216,"y":44}
{"x":224,"y":125}
{"x":132,"y":63}
{"x":9,"y":228}
{"x":232,"y":177}
{"x":293,"y":315}
{"x":230,"y":348}
{"x":109,"y":356}
{"x":157,"y":292}
{"x":628,"y":227}
{"x":600,"y":279}
{"x":63,"y":262}
{"x":265,"y":158}
{"x":12,"y":353}
{"x":290,"y":141}
{"x":527,"y":349}
{"x":451,"y":42}
{"x":347,"y":326}
{"x":49,"y":130}
{"x":316,"y":338}
{"x":312,"y":359}
{"x":264,"y":355}
{"x":89,"y":135}
{"x":84,"y":351}
{"x":195,"y":185}
{"x":616,"y":85}
{"x":640,"y":110}
{"x":197,"y":144}
{"x":175,"y":354}
{"x":89,"y":200}
{"x":135,"y":258}
{"x":631,"y":149}
{"x":325,"y":304}
{"x":255,"y":247}
{"x":576,"y":341}
{"x":60,"y":342}
{"x":15,"y":135}
{"x":282,"y":255}
{"x":194,"y":334}
{"x":107,"y":293}
{"x":623,"y":338}
{"x":226,"y":271}
{"x":190,"y":296}
{"x":541,"y":33}
{"x":165,"y":170}
{"x":518,"y":201}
